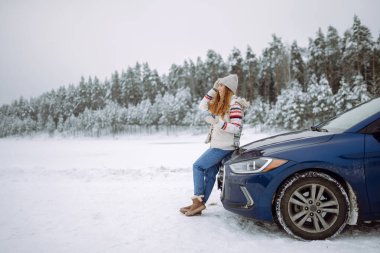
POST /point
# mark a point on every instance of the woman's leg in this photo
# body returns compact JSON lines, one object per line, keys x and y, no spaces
{"x":210,"y":180}
{"x":205,"y":170}
{"x":211,"y":176}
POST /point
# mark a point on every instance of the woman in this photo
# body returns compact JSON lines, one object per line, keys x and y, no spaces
{"x":226,"y":124}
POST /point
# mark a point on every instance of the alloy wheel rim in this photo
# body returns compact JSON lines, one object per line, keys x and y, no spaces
{"x":313,"y":208}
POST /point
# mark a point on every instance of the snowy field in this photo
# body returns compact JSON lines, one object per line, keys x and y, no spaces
{"x":123,"y":195}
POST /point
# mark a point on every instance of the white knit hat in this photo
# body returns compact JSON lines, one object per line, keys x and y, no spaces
{"x":231,"y":81}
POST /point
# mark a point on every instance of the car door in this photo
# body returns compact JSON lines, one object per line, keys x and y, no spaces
{"x":372,"y":166}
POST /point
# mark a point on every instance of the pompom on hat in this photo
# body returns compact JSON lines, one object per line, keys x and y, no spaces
{"x":231,"y":81}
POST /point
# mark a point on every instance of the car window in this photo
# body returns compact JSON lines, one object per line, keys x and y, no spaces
{"x":374,"y":127}
{"x":352,"y":117}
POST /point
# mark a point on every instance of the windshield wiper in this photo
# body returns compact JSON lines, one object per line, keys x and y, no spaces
{"x":318,"y":129}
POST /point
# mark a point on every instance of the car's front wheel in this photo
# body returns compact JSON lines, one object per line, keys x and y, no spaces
{"x":312,"y":206}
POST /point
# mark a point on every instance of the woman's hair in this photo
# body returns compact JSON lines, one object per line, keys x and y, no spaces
{"x":220,"y":106}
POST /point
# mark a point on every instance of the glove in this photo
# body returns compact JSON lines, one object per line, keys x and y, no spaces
{"x":216,"y":84}
{"x":211,"y":120}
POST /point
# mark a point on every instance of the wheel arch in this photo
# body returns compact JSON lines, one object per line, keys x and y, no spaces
{"x":354,"y":209}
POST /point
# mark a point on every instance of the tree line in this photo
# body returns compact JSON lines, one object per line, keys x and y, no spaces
{"x":288,"y":86}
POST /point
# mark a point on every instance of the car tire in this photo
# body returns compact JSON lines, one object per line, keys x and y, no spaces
{"x":312,"y":206}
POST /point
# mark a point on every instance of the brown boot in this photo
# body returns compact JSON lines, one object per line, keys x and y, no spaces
{"x":197,"y":207}
{"x":184,"y":209}
{"x":187,"y":208}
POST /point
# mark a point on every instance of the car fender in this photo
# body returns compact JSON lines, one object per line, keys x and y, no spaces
{"x":355,"y":190}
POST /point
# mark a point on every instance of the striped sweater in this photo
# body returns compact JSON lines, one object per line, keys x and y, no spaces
{"x":223,"y":132}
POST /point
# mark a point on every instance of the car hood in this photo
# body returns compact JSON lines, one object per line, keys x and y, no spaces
{"x":278,"y":143}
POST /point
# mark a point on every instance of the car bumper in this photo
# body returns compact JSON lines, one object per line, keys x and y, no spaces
{"x":250,"y":195}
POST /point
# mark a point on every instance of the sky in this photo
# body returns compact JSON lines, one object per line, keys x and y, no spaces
{"x":45,"y":44}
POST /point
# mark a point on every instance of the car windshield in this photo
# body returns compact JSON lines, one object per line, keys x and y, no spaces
{"x":352,"y":117}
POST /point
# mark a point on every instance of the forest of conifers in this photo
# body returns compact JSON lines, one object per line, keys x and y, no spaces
{"x":289,"y":87}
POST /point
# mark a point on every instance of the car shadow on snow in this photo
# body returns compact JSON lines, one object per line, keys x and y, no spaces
{"x":247,"y":226}
{"x":255,"y":226}
{"x":358,"y":231}
{"x":362,"y":229}
{"x":270,"y":229}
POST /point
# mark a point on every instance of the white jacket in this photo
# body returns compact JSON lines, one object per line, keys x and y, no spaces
{"x":223,"y":132}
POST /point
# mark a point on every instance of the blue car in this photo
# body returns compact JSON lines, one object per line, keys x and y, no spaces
{"x":312,"y":182}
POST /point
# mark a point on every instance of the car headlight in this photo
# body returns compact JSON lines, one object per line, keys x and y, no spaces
{"x":257,"y":165}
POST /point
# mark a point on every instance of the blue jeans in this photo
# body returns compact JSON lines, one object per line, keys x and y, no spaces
{"x":205,"y":170}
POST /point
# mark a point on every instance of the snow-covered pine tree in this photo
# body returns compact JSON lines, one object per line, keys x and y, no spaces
{"x":297,"y":65}
{"x":145,"y":108}
{"x":191,"y":82}
{"x":148,"y":86}
{"x":333,"y":58}
{"x":50,"y":125}
{"x":215,"y":66}
{"x":116,"y":95}
{"x":275,"y":70}
{"x":258,"y":112}
{"x":82,"y":97}
{"x":374,"y":84}
{"x":97,"y":95}
{"x":357,"y":51}
{"x":201,"y":79}
{"x":70,"y":127}
{"x":133,"y":85}
{"x":235,"y":63}
{"x":60,"y":125}
{"x":157,"y":82}
{"x":71,"y":101}
{"x":266,"y":82}
{"x":175,"y":107}
{"x":290,"y":109}
{"x":359,"y":90}
{"x":251,"y":72}
{"x":115,"y":117}
{"x":343,"y":99}
{"x":195,"y":117}
{"x":319,"y":100}
{"x":124,"y":88}
{"x":137,"y":90}
{"x":30,"y":125}
{"x":156,"y":110}
{"x":317,"y":56}
{"x":177,"y":77}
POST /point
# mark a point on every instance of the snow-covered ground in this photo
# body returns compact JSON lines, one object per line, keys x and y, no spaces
{"x":123,"y":195}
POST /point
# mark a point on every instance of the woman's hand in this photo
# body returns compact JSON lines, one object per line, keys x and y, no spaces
{"x":211,"y":120}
